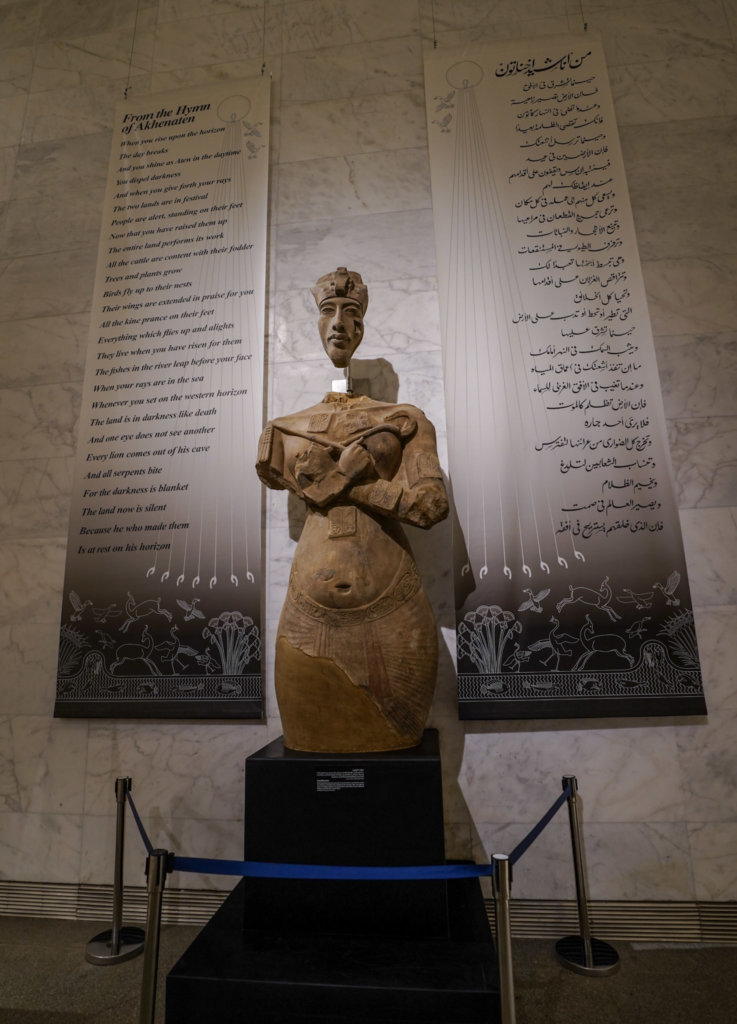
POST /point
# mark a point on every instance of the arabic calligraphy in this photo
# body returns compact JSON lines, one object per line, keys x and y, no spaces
{"x":531,"y":66}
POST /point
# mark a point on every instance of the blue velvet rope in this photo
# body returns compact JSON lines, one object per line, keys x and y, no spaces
{"x":353,"y":873}
{"x":531,"y":836}
{"x":136,"y":817}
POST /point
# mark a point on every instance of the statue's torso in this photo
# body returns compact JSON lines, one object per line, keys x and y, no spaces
{"x":347,"y":557}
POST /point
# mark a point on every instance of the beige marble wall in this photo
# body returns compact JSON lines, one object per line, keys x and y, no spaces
{"x":350,"y":184}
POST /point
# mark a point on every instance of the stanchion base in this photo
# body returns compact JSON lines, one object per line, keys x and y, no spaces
{"x":570,"y":951}
{"x":99,"y":950}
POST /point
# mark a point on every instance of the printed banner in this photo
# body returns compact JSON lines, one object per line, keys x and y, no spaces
{"x":571,"y":584}
{"x":161,"y":611}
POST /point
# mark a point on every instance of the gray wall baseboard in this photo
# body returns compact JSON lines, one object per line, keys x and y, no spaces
{"x":631,"y":921}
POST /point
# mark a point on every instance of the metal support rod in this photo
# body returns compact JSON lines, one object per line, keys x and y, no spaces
{"x":157,"y":868}
{"x":122,"y":786}
{"x":502,"y":889}
{"x":579,"y":868}
{"x":119,"y":943}
{"x":582,"y":953}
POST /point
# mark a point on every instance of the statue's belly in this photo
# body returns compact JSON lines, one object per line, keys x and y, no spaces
{"x":345,"y":558}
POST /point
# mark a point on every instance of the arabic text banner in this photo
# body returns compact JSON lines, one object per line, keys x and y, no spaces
{"x":572,"y":596}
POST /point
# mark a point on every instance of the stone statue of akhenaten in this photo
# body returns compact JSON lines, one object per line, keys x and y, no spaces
{"x":356,"y":649}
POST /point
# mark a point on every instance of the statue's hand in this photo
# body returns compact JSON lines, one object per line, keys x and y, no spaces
{"x":355,"y":462}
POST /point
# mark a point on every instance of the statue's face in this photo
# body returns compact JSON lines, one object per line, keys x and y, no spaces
{"x":341,"y":328}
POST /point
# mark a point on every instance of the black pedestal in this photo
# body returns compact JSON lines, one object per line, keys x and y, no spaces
{"x":358,"y":809}
{"x":339,"y":952}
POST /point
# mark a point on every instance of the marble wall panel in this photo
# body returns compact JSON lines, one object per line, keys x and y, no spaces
{"x":365,"y":124}
{"x":717,"y":638}
{"x":710,"y":543}
{"x":43,"y":351}
{"x":387,"y":66}
{"x":691,"y":295}
{"x":730,"y":9}
{"x":184,"y":837}
{"x":491,"y":32}
{"x":19,"y":23}
{"x":690,"y":219}
{"x":708,"y":763}
{"x":12,"y":112}
{"x":331,"y":24}
{"x":51,"y":170}
{"x":180,"y":769}
{"x":470,"y":15}
{"x":15,"y":71}
{"x":40,"y":847}
{"x":29,"y":657}
{"x":85,"y":109}
{"x":713,"y":846}
{"x":32,"y":226}
{"x":92,"y":59}
{"x":40,"y":421}
{"x":662,"y":31}
{"x":67,"y":19}
{"x":704,"y":456}
{"x":652,"y":860}
{"x":698,"y":375}
{"x":171,"y":10}
{"x":31,"y":574}
{"x":228,"y":70}
{"x":192,"y":42}
{"x":625,"y":772}
{"x":680,"y":89}
{"x":8,"y":157}
{"x":42,"y":764}
{"x":385,"y":246}
{"x":44,"y":285}
{"x":697,"y":152}
{"x":389,"y":181}
{"x":35,"y":497}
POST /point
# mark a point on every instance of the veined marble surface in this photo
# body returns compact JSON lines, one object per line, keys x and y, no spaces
{"x":350,"y":186}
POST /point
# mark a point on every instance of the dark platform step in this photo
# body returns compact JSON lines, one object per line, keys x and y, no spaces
{"x":233,"y":974}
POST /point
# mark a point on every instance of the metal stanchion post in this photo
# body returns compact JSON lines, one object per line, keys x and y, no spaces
{"x":582,"y":953}
{"x":502,"y":888}
{"x":157,"y":867}
{"x":119,"y":943}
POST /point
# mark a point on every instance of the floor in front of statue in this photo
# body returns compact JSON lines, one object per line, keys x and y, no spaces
{"x":44,"y":979}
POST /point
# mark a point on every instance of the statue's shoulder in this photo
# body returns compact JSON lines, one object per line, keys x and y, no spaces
{"x":293,"y":418}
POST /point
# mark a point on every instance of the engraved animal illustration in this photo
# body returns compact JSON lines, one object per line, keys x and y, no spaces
{"x":601,"y":643}
{"x":445,"y":102}
{"x":172,"y":651}
{"x":137,"y":652}
{"x":136,"y":611}
{"x":669,"y":588}
{"x":640,"y":601}
{"x":101,"y":615}
{"x":78,"y":605}
{"x":637,"y":629}
{"x":532,"y":604}
{"x":600,"y":598}
{"x":190,"y":607}
{"x":560,"y":644}
{"x":517,"y":658}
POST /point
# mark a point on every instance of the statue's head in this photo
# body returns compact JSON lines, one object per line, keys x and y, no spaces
{"x":342,"y":298}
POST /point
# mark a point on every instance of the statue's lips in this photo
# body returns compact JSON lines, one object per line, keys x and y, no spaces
{"x":339,"y":340}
